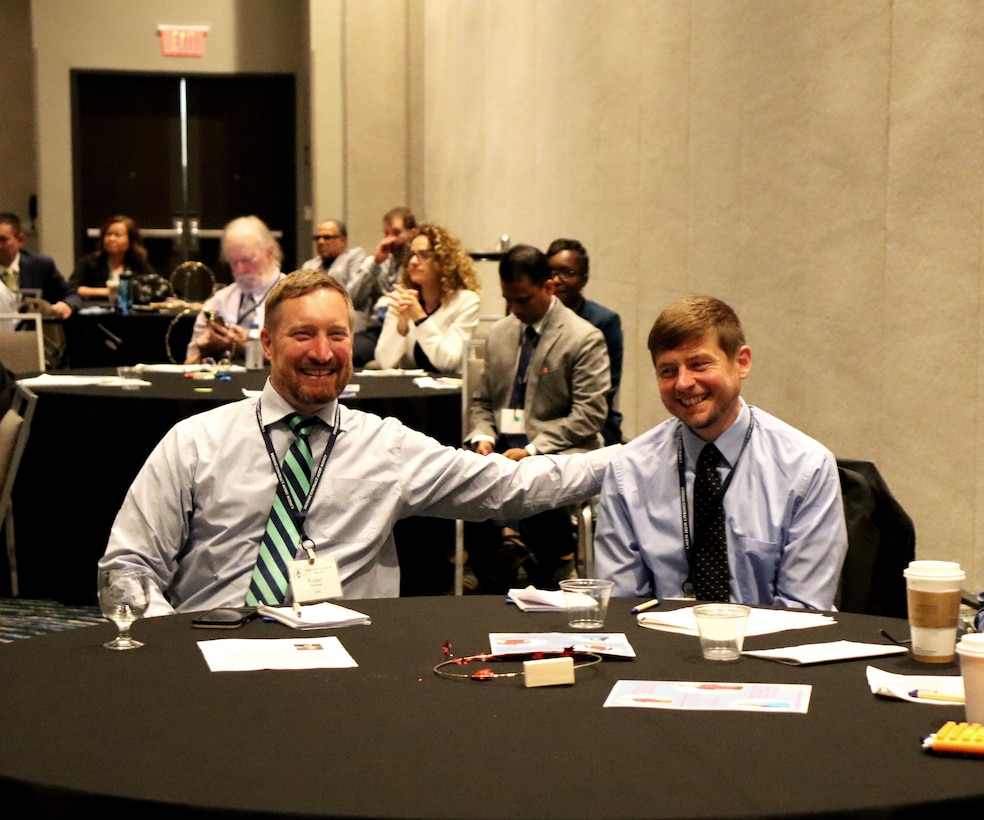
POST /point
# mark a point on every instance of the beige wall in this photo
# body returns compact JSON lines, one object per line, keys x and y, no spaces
{"x":814,"y":162}
{"x":17,"y":147}
{"x":817,"y":164}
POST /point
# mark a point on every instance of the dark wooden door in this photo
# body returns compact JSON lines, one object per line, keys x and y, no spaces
{"x":183,"y":155}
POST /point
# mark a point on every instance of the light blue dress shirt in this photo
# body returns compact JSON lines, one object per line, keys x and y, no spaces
{"x":785,"y":519}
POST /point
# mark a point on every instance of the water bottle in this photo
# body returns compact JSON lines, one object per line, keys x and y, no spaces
{"x":254,"y":348}
{"x":124,"y":299}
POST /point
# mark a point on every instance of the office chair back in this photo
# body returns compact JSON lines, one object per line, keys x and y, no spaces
{"x":881,"y":541}
{"x":15,"y":427}
{"x":22,"y":343}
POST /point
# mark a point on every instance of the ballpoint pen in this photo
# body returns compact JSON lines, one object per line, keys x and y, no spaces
{"x":643,"y":607}
{"x":929,"y":694}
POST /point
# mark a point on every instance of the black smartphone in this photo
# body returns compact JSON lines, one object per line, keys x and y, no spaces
{"x":214,"y":318}
{"x":224,"y":618}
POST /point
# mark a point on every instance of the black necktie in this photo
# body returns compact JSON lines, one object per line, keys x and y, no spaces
{"x":709,"y":563}
{"x":530,"y":338}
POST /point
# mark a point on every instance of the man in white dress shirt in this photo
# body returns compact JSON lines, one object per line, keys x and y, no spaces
{"x":254,"y":257}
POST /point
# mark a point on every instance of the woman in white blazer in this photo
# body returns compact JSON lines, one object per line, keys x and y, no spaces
{"x":433,"y":309}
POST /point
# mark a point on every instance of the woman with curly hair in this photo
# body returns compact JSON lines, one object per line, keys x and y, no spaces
{"x":433,"y":309}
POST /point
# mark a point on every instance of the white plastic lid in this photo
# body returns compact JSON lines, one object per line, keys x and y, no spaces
{"x":948,"y":570}
{"x":972,"y":644}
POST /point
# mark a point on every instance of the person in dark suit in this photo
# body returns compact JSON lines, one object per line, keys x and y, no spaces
{"x":549,"y":398}
{"x":569,"y":264}
{"x":23,"y":269}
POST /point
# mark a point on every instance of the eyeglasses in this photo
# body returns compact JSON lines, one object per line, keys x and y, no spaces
{"x":567,"y":274}
{"x":318,"y":236}
{"x":423,"y":256}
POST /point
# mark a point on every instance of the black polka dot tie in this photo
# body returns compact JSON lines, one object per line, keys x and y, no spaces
{"x":709,"y":562}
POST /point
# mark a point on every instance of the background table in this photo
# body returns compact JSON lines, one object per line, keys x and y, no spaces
{"x":109,"y":339}
{"x":153,"y":730}
{"x":88,"y":443}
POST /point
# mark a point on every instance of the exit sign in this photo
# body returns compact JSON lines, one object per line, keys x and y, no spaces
{"x":182,"y":41}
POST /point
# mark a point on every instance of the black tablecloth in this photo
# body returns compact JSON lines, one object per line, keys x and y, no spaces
{"x":88,"y":443}
{"x":83,"y":726}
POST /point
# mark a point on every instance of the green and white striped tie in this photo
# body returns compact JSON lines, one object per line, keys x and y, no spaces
{"x":269,"y":582}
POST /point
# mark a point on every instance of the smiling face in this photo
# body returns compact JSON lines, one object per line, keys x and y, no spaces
{"x":308,"y":341}
{"x":700,"y":385}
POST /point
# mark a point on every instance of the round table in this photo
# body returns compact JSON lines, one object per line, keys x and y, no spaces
{"x":154,"y":731}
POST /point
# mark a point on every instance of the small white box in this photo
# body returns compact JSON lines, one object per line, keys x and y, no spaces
{"x":549,"y":672}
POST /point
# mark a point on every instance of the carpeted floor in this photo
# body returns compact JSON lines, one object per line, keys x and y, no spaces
{"x":20,"y":618}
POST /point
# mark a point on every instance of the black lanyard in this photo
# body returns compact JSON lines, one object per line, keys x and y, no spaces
{"x":682,"y":474}
{"x":299,"y":515}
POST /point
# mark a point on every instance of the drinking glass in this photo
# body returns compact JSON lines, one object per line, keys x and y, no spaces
{"x":123,"y":597}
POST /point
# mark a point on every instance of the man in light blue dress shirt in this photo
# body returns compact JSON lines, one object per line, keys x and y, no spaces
{"x":786,"y":536}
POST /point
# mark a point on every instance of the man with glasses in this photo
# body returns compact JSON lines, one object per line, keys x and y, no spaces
{"x":568,"y":260}
{"x":542,"y":390}
{"x":253,"y":256}
{"x":345,"y":264}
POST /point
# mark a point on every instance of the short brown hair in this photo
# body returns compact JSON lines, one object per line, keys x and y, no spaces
{"x":693,"y":318}
{"x":301,"y":283}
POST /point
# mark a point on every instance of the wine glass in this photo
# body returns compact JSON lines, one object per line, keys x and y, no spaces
{"x":123,"y":597}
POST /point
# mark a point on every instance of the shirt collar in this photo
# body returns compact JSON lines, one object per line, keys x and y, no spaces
{"x":274,"y":407}
{"x":15,"y":265}
{"x":729,"y":443}
{"x":538,"y":326}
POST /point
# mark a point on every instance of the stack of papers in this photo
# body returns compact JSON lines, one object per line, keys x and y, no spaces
{"x":314,"y":616}
{"x":532,"y":599}
{"x":760,"y":621}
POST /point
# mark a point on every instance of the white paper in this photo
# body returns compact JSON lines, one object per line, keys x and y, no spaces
{"x":892,"y":685}
{"x":244,"y":655}
{"x":532,"y":599}
{"x":440,"y":383}
{"x":760,"y":621}
{"x":393,"y":371}
{"x":826,"y":652}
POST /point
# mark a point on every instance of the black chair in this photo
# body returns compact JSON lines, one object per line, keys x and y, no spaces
{"x":881,"y":541}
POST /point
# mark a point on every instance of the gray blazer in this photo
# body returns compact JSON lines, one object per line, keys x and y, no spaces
{"x":568,"y":377}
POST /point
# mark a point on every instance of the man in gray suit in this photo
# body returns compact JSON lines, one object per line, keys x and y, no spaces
{"x":542,"y":391}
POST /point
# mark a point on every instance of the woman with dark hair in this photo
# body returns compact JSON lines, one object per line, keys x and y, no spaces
{"x":433,"y":309}
{"x":120,"y":249}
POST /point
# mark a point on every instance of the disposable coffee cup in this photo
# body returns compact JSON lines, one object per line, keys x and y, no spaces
{"x":722,"y":630}
{"x":933,"y":596}
{"x":586,"y":600}
{"x":971,"y":652}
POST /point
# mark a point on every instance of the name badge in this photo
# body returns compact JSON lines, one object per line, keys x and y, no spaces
{"x":511,"y":421}
{"x":313,"y":581}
